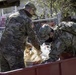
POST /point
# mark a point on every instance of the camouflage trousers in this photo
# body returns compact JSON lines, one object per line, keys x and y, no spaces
{"x":11,"y":62}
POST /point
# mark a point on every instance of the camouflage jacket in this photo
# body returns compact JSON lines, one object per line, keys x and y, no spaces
{"x":65,"y":40}
{"x":17,"y":29}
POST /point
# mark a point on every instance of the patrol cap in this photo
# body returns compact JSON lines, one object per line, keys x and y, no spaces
{"x":31,"y":5}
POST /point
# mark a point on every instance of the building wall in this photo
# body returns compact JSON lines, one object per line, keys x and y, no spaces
{"x":12,"y":9}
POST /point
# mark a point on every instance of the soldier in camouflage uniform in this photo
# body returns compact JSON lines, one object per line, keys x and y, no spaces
{"x":46,"y":34}
{"x":65,"y":41}
{"x":13,"y":40}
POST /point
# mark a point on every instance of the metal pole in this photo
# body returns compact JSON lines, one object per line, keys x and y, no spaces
{"x":2,"y":12}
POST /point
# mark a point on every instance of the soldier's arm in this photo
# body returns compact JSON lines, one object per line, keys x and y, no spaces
{"x":57,"y":49}
{"x":33,"y":37}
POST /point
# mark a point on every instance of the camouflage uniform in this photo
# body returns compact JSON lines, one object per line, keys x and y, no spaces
{"x":13,"y":40}
{"x":65,"y":40}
